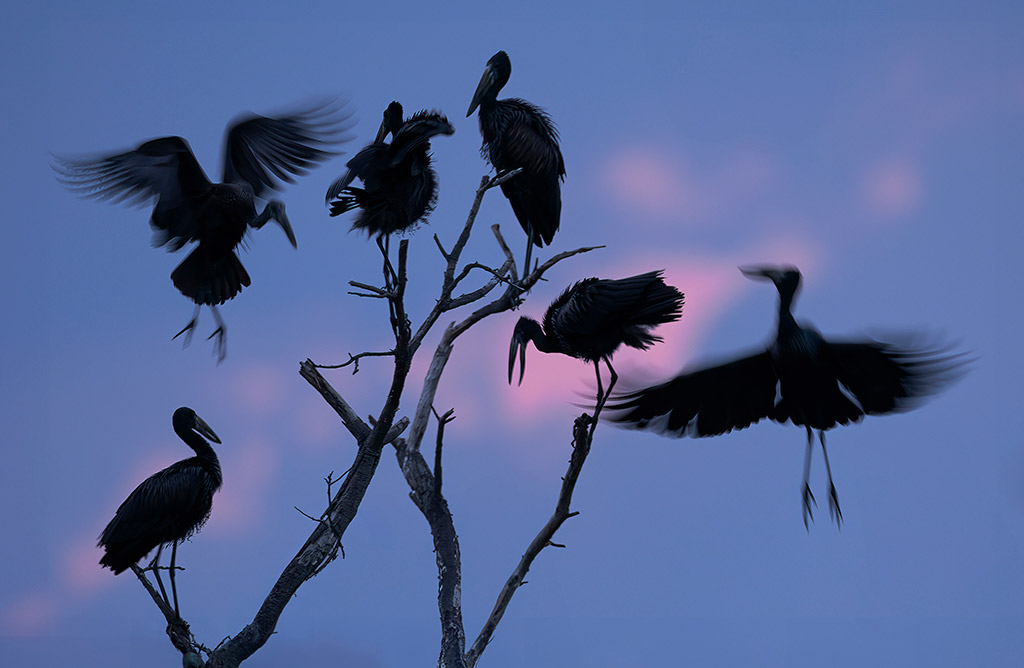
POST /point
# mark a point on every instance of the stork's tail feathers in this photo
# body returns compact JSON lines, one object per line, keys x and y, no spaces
{"x":210,"y":278}
{"x":661,"y":303}
{"x":347,"y":202}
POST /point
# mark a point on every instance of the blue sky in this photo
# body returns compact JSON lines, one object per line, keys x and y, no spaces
{"x":880,"y":150}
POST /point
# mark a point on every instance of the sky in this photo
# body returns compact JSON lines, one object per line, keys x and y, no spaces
{"x":878,"y":148}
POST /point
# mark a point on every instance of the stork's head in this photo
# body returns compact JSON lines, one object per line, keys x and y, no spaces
{"x":495,"y":76}
{"x":527,"y":329}
{"x":185,"y":420}
{"x":391,"y":122}
{"x":786,"y":278}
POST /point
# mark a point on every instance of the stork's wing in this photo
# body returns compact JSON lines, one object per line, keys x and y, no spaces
{"x":263,"y":151}
{"x":532,"y":140}
{"x":419,"y":129}
{"x":707,"y":402}
{"x":161,"y":169}
{"x":886,"y":378}
{"x":155,"y":506}
{"x":372,"y":158}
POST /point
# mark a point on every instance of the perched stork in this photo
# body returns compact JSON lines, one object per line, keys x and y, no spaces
{"x":399,"y":183}
{"x":168,"y":507}
{"x":593,"y":317}
{"x":518,"y":134}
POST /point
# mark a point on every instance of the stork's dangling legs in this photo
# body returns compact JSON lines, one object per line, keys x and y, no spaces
{"x":833,"y":498}
{"x":187,"y":329}
{"x":220,"y":346}
{"x":808,"y":497}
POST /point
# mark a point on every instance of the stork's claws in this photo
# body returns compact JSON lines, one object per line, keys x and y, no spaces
{"x":833,"y":506}
{"x":220,"y":346}
{"x":187,"y":331}
{"x":808,"y":498}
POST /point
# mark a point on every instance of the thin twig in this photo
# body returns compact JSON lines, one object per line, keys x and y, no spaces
{"x":581,"y":448}
{"x":354,"y":359}
{"x":442,"y":420}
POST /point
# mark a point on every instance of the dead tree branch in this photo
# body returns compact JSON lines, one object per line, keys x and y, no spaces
{"x":581,"y":442}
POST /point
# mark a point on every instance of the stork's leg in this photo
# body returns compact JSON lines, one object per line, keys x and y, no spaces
{"x":220,"y":346}
{"x":529,"y":251}
{"x":600,"y":390}
{"x":390,"y":275}
{"x":612,"y":379}
{"x":155,"y":567}
{"x":174,"y":588}
{"x":833,"y":498}
{"x":187,"y":329}
{"x":808,"y":497}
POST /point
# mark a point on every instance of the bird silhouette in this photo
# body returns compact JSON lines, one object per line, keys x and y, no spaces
{"x":520,"y":135}
{"x":593,"y":317}
{"x":801,"y":377}
{"x":168,"y":506}
{"x":399,"y":183}
{"x":259,"y":153}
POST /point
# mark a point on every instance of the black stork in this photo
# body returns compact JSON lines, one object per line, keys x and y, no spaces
{"x":399,"y":183}
{"x":259,"y":153}
{"x":802,"y":377}
{"x":168,"y":507}
{"x":518,"y":134}
{"x":593,"y":317}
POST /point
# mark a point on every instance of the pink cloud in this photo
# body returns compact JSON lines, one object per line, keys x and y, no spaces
{"x":81,"y":568}
{"x":32,"y":615}
{"x":892,"y":188}
{"x":654,"y":182}
{"x":259,"y":388}
{"x":645,"y":179}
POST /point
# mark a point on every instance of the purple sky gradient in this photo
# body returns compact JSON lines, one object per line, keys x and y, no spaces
{"x":879,"y":150}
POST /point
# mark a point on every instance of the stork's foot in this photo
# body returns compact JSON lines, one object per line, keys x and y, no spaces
{"x":808,"y":498}
{"x":187,"y":331}
{"x":833,"y":506}
{"x":220,"y":343}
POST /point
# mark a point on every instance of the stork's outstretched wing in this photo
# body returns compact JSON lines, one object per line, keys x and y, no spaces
{"x":263,"y":151}
{"x":163,"y":169}
{"x":708,"y":402}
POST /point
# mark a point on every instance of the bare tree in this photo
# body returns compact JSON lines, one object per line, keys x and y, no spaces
{"x":324,"y":542}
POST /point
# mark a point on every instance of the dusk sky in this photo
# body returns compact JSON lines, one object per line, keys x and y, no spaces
{"x":879,"y":150}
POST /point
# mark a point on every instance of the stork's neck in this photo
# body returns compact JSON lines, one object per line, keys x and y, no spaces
{"x":203,"y":449}
{"x":787,"y":323}
{"x":531,"y":331}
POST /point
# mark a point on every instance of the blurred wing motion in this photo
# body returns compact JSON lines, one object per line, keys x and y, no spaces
{"x":263,"y":151}
{"x":801,"y":377}
{"x":163,"y":170}
{"x":260,"y":152}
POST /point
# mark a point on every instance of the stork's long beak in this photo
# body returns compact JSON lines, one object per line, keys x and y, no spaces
{"x":203,"y":429}
{"x":762,"y":273}
{"x":282,"y":219}
{"x":520,"y":344}
{"x":486,"y":81}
